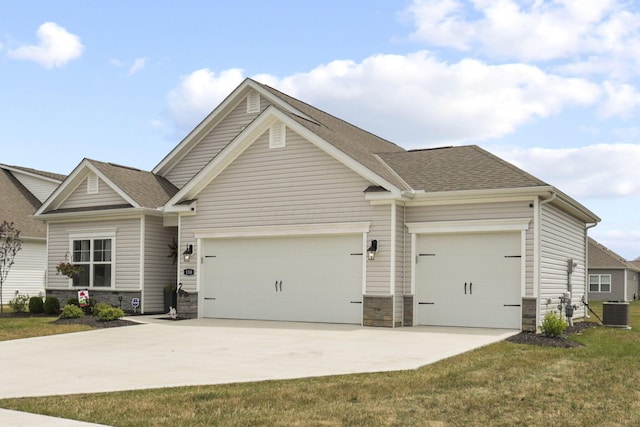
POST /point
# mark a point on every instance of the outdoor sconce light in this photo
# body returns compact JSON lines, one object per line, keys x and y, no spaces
{"x":186,"y":255}
{"x":371,"y":252}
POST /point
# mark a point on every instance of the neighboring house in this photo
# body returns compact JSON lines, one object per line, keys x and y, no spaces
{"x":284,"y":212}
{"x":611,"y":277}
{"x":22,"y":191}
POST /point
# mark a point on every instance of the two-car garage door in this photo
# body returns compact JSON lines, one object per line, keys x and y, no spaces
{"x":306,"y":278}
{"x":471,"y":280}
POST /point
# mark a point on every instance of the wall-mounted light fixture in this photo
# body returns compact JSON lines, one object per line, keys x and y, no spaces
{"x":371,"y":252}
{"x":186,"y":255}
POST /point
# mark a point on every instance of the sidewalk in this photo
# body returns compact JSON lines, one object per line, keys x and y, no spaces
{"x":10,"y":418}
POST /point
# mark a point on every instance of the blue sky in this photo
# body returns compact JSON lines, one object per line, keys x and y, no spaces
{"x":552,"y":86}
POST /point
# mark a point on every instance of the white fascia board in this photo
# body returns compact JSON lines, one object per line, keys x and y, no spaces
{"x":284,"y":230}
{"x":574,"y":208}
{"x":473,"y":226}
{"x":181,"y":208}
{"x":248,"y":136}
{"x":102,"y":215}
{"x":479,"y":196}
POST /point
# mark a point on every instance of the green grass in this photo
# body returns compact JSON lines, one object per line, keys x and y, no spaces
{"x":503,"y":384}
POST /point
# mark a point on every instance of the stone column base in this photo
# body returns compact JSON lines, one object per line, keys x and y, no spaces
{"x":378,"y":311}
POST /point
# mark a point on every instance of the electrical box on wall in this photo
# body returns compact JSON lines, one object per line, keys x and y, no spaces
{"x":188,"y":272}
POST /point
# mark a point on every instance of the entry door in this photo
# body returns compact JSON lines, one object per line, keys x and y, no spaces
{"x":311,"y":278}
{"x":470,"y":280}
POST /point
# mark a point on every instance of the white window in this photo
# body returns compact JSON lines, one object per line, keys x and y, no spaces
{"x":92,"y":184}
{"x":599,"y":283}
{"x":95,"y":258}
{"x":253,"y":102}
{"x":277,"y":135}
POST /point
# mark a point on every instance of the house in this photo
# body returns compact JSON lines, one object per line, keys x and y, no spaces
{"x":611,"y":277}
{"x":284,"y":212}
{"x":22,"y":191}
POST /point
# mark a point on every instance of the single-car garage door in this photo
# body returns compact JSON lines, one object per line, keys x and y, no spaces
{"x":470,"y":280}
{"x":309,"y":279}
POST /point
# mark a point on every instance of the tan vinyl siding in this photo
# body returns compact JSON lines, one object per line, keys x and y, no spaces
{"x":212,"y":144}
{"x":159,"y":268}
{"x":617,"y":286}
{"x":79,"y":198}
{"x":561,"y":237}
{"x":481,"y":211}
{"x":298,"y":184}
{"x":402,"y":284}
{"x":632,"y":285}
{"x":27,"y":273}
{"x":127,"y":262}
{"x":39,"y":187}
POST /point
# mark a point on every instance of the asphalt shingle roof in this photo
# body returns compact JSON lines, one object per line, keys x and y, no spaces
{"x":602,"y":257}
{"x":145,"y":188}
{"x":16,"y":204}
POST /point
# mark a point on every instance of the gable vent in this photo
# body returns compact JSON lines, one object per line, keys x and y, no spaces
{"x":92,"y":184}
{"x":277,"y":135}
{"x":253,"y":102}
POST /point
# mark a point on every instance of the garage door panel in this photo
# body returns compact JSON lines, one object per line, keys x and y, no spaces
{"x":284,"y":278}
{"x":469,"y":280}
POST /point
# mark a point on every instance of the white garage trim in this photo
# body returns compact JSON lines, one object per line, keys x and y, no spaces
{"x":479,"y":226}
{"x":283,"y":230}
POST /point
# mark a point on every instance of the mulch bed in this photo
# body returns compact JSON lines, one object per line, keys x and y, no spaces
{"x":562,"y":342}
{"x":92,"y":321}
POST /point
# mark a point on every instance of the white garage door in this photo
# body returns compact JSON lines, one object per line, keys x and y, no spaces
{"x":310,"y":279}
{"x":470,"y":280}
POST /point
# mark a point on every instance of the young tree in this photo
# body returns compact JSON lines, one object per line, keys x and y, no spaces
{"x":10,"y":244}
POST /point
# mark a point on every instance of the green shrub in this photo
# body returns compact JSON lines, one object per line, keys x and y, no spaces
{"x":36,"y":305}
{"x":111,"y":313}
{"x":99,"y":307}
{"x":553,"y":324}
{"x":51,"y":305}
{"x":71,"y":311}
{"x":73,"y":301}
{"x":20,"y":303}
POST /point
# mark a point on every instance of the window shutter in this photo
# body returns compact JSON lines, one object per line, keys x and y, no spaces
{"x":92,"y":184}
{"x":253,"y":102}
{"x":277,"y":135}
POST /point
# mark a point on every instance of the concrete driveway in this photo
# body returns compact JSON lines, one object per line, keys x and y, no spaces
{"x":162,"y":353}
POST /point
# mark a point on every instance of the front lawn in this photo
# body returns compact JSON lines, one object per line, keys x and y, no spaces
{"x":501,"y":384}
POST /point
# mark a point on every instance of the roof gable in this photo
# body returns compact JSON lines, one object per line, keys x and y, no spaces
{"x":251,"y":133}
{"x":136,"y":188}
{"x":603,"y":258}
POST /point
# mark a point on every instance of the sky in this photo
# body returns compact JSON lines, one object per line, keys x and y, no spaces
{"x":551,"y":86}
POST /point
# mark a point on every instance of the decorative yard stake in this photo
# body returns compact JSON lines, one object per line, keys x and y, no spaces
{"x":10,"y":245}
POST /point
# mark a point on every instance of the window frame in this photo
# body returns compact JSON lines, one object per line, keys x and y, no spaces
{"x":92,"y":238}
{"x":599,"y":282}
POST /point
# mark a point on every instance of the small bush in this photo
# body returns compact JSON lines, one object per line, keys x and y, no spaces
{"x":553,"y":325}
{"x":111,"y":313}
{"x":20,"y":303}
{"x":71,"y":311}
{"x":73,"y":301}
{"x":51,"y":305}
{"x":36,"y":305}
{"x":99,"y":307}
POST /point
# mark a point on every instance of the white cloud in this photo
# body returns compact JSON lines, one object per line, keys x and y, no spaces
{"x":137,"y":66}
{"x":591,"y":172}
{"x":415,"y":100}
{"x":621,"y":100}
{"x":586,"y":39}
{"x":198,"y":93}
{"x":56,"y":46}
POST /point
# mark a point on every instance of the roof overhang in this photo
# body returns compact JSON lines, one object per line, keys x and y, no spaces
{"x":102,"y":214}
{"x":69,"y":185}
